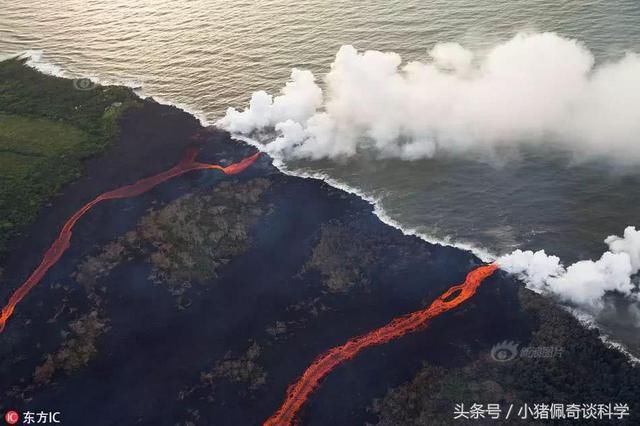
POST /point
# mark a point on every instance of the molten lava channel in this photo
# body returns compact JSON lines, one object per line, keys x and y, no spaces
{"x":298,"y":393}
{"x":62,"y":243}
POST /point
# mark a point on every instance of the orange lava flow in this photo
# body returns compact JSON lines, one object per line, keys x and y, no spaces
{"x":299,"y":392}
{"x":62,"y":243}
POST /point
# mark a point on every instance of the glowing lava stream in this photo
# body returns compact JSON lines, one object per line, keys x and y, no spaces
{"x":62,"y":243}
{"x":299,"y":392}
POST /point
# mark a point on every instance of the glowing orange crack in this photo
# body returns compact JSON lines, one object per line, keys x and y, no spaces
{"x":62,"y":243}
{"x":298,"y":393}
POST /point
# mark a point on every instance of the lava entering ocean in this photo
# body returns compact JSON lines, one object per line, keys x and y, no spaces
{"x":62,"y":243}
{"x":299,"y":392}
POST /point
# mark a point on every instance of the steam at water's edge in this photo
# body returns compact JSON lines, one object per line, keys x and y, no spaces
{"x":37,"y":61}
{"x":532,"y":89}
{"x":584,"y":283}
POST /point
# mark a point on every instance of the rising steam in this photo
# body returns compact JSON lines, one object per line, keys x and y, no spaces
{"x":532,"y":89}
{"x":585,"y":283}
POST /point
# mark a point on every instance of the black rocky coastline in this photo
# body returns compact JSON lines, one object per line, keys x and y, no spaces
{"x":134,"y":325}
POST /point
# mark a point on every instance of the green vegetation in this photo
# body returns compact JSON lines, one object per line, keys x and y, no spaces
{"x":47,"y":127}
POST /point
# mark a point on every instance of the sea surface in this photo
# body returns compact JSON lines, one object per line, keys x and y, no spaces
{"x":207,"y":55}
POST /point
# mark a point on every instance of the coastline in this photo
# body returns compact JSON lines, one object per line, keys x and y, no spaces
{"x":404,"y":272}
{"x":35,"y":60}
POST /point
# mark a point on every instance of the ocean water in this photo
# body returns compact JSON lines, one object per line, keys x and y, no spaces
{"x":208,"y":55}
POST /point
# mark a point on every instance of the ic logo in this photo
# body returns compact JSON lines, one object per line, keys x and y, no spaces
{"x":504,"y":351}
{"x":12,"y":417}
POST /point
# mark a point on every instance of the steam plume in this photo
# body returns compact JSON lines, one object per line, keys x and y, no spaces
{"x":534,"y":88}
{"x":586,"y":282}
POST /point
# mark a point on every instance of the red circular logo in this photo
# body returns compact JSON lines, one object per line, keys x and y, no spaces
{"x":12,"y":417}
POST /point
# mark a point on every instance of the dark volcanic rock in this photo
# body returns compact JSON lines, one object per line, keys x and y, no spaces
{"x":276,"y":270}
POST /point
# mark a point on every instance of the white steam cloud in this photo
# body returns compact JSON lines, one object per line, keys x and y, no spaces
{"x":586,"y":282}
{"x":534,"y":88}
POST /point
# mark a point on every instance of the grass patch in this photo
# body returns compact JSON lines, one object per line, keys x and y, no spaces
{"x":47,"y":127}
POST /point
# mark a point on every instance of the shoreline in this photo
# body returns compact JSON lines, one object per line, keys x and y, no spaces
{"x":35,"y":61}
{"x":289,"y":267}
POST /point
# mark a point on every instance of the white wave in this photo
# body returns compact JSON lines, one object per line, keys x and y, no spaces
{"x":35,"y":60}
